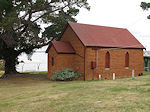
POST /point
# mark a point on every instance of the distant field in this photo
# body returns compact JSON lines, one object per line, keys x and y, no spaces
{"x":40,"y":72}
{"x":34,"y":93}
{"x":1,"y":74}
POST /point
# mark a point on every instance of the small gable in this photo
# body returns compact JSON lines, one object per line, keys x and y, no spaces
{"x":62,"y":47}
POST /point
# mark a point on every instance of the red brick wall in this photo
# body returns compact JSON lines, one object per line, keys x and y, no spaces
{"x":71,"y":37}
{"x":76,"y":61}
{"x":60,"y":61}
{"x":117,"y":63}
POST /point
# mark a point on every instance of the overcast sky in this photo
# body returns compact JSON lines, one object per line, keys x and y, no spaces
{"x":119,"y":13}
{"x":115,"y":13}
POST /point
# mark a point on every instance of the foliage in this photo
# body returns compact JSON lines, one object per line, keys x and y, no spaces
{"x":65,"y":74}
{"x":20,"y":25}
{"x":145,"y":6}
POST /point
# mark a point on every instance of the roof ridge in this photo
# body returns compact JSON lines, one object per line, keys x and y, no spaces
{"x":95,"y":35}
{"x":97,"y":25}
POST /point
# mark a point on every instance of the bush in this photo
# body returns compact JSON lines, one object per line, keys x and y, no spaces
{"x":65,"y":74}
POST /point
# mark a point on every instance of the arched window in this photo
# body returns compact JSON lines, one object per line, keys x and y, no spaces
{"x":127,"y":60}
{"x":52,"y":61}
{"x":107,"y":60}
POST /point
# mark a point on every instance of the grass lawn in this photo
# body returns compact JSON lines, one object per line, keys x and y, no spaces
{"x":34,"y":93}
{"x":1,"y":74}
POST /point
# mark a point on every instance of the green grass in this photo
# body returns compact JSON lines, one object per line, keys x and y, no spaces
{"x":43,"y":72}
{"x":1,"y":74}
{"x":34,"y":93}
{"x":40,"y":72}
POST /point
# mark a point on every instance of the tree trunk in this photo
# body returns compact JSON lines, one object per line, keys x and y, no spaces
{"x":10,"y":66}
{"x":9,"y":55}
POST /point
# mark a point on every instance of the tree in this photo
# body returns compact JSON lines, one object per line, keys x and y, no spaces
{"x":145,"y":6}
{"x":20,"y":25}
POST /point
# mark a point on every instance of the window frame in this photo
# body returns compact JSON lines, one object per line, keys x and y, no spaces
{"x":127,"y":62}
{"x":52,"y":59}
{"x":107,"y":60}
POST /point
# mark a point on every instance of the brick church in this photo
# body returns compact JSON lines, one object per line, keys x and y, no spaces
{"x":96,"y":50}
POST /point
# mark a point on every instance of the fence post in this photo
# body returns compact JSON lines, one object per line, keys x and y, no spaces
{"x":113,"y":76}
{"x":100,"y":76}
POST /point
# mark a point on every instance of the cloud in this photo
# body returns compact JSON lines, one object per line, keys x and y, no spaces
{"x":119,"y":13}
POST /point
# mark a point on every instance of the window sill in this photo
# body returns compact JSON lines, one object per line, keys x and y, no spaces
{"x":107,"y":68}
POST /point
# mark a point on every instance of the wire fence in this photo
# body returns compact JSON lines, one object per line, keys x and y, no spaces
{"x":2,"y":65}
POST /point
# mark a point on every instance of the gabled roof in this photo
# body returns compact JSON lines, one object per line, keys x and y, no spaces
{"x":63,"y":47}
{"x":101,"y":36}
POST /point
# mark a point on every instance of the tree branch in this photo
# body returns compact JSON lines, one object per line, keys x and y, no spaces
{"x":31,"y":48}
{"x":46,"y":14}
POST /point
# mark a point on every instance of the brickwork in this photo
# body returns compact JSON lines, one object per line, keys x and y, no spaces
{"x":71,"y":37}
{"x":117,"y":63}
{"x":60,"y":61}
{"x":81,"y":61}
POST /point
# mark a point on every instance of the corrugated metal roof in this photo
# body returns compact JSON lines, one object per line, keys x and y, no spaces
{"x":101,"y":36}
{"x":63,"y":47}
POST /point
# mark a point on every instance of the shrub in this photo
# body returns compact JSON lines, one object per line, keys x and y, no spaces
{"x":65,"y":74}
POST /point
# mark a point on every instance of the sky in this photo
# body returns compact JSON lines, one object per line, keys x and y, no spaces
{"x":114,"y":13}
{"x":119,"y":13}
